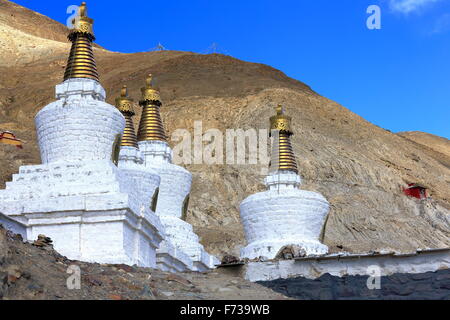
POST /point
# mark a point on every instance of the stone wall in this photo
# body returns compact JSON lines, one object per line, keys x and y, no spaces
{"x":92,"y":210}
{"x":345,"y":264}
{"x":421,"y":286}
{"x":79,"y":126}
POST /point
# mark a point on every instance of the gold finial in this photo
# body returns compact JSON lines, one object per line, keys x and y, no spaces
{"x":280,"y":110}
{"x":83,"y":9}
{"x":149,"y":80}
{"x":283,"y":157}
{"x":125,"y":106}
{"x":124,"y":103}
{"x":149,"y":93}
{"x":81,"y":63}
{"x":281,"y":122}
{"x":124,"y":91}
{"x":82,"y":23}
{"x":151,"y":126}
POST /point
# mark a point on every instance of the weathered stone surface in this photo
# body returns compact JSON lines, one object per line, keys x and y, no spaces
{"x":42,"y":241}
{"x":290,"y":252}
{"x":228,"y":259}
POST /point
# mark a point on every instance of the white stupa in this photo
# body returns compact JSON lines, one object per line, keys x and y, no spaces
{"x":131,"y":162}
{"x":174,"y":190}
{"x":283,"y":215}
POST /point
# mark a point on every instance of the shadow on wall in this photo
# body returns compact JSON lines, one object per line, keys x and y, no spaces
{"x":421,"y":286}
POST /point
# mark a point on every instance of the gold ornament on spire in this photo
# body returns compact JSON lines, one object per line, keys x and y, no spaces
{"x":283,"y":157}
{"x":149,"y":93}
{"x":83,"y":23}
{"x":151,"y":127}
{"x":81,"y":62}
{"x":125,"y":106}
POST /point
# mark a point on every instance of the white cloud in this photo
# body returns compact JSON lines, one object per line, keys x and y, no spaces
{"x":408,"y":6}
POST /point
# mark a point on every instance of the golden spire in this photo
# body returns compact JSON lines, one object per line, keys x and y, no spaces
{"x":283,"y":158}
{"x":151,"y":126}
{"x":81,"y":63}
{"x":125,"y":106}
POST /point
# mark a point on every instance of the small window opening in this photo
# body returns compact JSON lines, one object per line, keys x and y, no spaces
{"x":116,"y":149}
{"x":185,"y":208}
{"x":155,"y":200}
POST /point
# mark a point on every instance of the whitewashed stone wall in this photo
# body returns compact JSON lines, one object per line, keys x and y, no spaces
{"x":92,"y":210}
{"x":174,"y":188}
{"x":147,"y":180}
{"x":170,"y":258}
{"x":155,"y":152}
{"x":181,"y":235}
{"x":283,"y":180}
{"x":79,"y":125}
{"x":175,"y":181}
{"x":130,"y":158}
{"x":281,"y":216}
{"x":388,"y":264}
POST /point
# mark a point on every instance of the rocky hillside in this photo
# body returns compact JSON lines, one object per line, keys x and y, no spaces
{"x":359,"y":167}
{"x":436,"y":147}
{"x":22,"y":41}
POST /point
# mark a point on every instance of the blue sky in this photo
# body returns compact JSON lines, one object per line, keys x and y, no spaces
{"x":397,"y":77}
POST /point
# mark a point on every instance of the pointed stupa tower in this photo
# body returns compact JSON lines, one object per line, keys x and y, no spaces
{"x":93,"y":210}
{"x":283,"y":215}
{"x":175,"y":186}
{"x":151,"y":127}
{"x":81,"y":62}
{"x":130,"y":159}
{"x":129,"y":156}
{"x":283,"y":158}
{"x":125,"y":106}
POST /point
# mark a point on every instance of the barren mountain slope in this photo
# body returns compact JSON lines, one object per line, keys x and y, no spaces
{"x":31,"y":22}
{"x":27,"y":36}
{"x":358,"y":166}
{"x":438,"y":146}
